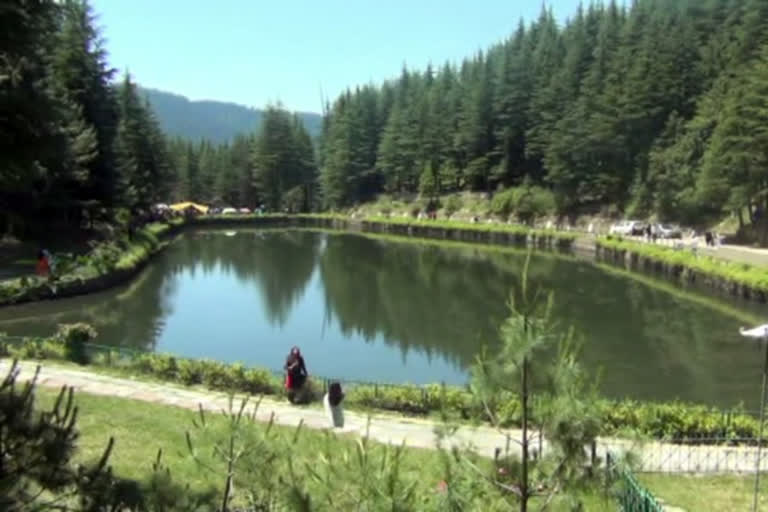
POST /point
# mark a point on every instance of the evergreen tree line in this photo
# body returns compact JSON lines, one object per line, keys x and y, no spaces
{"x":660,"y":107}
{"x":73,"y":144}
{"x":274,"y":168}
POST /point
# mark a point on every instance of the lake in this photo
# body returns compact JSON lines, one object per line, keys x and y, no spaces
{"x":391,"y":310}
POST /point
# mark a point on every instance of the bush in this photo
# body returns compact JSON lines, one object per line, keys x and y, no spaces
{"x":503,"y":202}
{"x":527,"y":202}
{"x":667,"y":420}
{"x":216,"y":375}
{"x":191,"y":371}
{"x":74,"y":338}
{"x":164,"y":366}
{"x":260,"y":381}
{"x":452,"y":205}
{"x":532,"y":202}
{"x":689,"y":264}
{"x":36,"y":348}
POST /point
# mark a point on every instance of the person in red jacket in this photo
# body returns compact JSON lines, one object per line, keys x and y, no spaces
{"x":295,"y":373}
{"x":42,"y":268}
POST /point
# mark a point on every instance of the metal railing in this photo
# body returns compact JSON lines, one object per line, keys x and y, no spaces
{"x":633,"y":497}
{"x":116,"y":356}
{"x":714,"y":456}
{"x":630,"y":494}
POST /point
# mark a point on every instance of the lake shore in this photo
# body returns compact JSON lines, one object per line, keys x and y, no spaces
{"x":687,"y":267}
{"x":87,"y":278}
{"x":718,"y":273}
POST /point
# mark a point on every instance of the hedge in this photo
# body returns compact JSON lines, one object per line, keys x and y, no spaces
{"x":686,"y":265}
{"x":666,"y":420}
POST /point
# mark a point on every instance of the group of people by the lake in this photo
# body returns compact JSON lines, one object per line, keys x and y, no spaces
{"x":295,"y":380}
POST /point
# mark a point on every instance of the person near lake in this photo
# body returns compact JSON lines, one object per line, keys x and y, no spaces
{"x":295,"y":373}
{"x":332,"y":403}
{"x":42,"y":268}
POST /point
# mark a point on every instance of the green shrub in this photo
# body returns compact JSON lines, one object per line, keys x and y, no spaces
{"x":216,"y":375}
{"x":163,"y":366}
{"x":74,"y":337}
{"x":527,"y":202}
{"x":409,"y":399}
{"x":667,"y":420}
{"x":452,"y":205}
{"x":503,"y":202}
{"x":142,"y":363}
{"x":191,"y":371}
{"x":260,"y":381}
{"x":532,"y":202}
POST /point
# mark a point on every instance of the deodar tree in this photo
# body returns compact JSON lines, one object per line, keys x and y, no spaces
{"x":557,"y":413}
{"x":630,"y":109}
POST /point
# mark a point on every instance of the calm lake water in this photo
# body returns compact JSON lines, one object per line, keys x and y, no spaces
{"x":403,"y":311}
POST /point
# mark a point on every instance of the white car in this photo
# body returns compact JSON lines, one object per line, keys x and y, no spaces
{"x":228,"y":211}
{"x":625,"y":227}
{"x":668,"y":231}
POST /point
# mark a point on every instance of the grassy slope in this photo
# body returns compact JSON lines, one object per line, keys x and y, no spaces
{"x":141,"y":428}
{"x":705,"y":493}
{"x":744,"y":274}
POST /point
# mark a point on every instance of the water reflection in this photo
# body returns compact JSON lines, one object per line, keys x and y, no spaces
{"x":374,"y":309}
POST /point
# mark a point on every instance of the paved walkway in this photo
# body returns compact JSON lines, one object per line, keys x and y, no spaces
{"x":653,"y":456}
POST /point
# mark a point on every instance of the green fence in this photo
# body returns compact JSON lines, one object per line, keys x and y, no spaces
{"x":632,"y":496}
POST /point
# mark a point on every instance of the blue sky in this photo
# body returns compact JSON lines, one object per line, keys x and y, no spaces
{"x":257,"y":51}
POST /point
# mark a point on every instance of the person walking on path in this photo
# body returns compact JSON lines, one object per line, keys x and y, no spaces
{"x":332,"y":403}
{"x":295,"y":373}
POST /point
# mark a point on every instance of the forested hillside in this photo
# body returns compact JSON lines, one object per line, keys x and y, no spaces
{"x":214,"y":121}
{"x":77,"y":146}
{"x":71,"y":143}
{"x":274,"y":167}
{"x":658,"y":108}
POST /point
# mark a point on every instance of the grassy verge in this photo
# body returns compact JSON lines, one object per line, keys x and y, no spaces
{"x":685,"y":263}
{"x":141,"y":428}
{"x":705,"y":493}
{"x":483,"y":227}
{"x":107,"y":261}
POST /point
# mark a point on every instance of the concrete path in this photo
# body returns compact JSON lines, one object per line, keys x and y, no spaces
{"x":653,"y":456}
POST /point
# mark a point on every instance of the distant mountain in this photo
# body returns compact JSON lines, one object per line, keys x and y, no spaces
{"x":217,"y":121}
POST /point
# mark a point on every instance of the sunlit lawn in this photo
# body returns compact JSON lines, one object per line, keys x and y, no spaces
{"x":706,"y":493}
{"x":141,"y":428}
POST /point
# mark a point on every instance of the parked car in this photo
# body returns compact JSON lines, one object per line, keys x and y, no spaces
{"x":668,"y":231}
{"x":627,"y":228}
{"x":244,"y":210}
{"x":228,"y":211}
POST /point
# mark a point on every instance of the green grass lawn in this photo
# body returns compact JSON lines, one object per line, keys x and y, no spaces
{"x":706,"y":493}
{"x":141,"y":428}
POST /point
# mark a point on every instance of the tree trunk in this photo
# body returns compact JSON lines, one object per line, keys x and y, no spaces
{"x":524,"y":444}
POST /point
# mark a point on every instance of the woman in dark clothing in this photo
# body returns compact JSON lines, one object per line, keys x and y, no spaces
{"x":295,"y":372}
{"x":332,"y":402}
